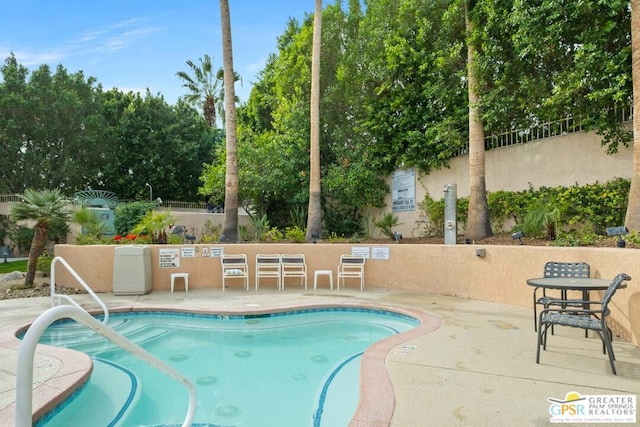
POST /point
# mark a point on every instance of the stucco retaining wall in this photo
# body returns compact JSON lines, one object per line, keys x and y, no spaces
{"x":454,"y":270}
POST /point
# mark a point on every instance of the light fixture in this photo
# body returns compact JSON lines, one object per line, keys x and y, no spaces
{"x":397,"y":236}
{"x":315,"y":237}
{"x":518,"y":236}
{"x":150,"y":191}
{"x":618,"y":231}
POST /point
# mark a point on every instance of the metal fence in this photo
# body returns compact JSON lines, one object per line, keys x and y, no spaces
{"x":543,"y":130}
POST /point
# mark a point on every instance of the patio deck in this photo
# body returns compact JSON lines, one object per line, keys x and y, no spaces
{"x":477,"y":368}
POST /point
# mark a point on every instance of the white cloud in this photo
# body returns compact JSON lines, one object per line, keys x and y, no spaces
{"x":27,"y":58}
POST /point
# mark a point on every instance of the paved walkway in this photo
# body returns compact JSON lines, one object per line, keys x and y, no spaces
{"x":477,"y":368}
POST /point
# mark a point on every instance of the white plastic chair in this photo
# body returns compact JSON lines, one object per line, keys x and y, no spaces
{"x":268,"y":267}
{"x":234,"y":267}
{"x":351,"y":267}
{"x":294,"y":266}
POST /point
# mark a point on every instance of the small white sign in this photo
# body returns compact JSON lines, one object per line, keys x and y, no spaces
{"x":205,"y":252}
{"x":188,"y":251}
{"x":380,"y":252}
{"x":360,"y":251}
{"x":169,"y":258}
{"x":216,"y":251}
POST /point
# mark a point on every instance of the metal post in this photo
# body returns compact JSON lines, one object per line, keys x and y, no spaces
{"x":450,"y":222}
{"x":150,"y":191}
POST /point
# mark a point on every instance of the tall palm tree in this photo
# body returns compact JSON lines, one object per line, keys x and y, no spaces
{"x":205,"y":88}
{"x":314,"y":219}
{"x":478,"y":224}
{"x":42,"y":207}
{"x":230,"y":227}
{"x":632,"y":219}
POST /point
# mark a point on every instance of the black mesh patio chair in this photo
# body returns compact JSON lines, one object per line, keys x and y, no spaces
{"x":558,"y":269}
{"x":589,"y":319}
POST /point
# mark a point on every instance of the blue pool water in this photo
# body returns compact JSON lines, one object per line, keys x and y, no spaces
{"x":293,"y":369}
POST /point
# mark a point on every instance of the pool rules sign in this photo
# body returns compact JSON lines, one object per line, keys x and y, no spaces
{"x":403,"y":190}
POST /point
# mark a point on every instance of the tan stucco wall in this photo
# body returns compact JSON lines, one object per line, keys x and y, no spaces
{"x":559,"y":161}
{"x":431,"y":269}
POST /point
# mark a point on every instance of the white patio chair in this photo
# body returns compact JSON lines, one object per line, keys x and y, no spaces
{"x":351,"y":267}
{"x":268,"y":267}
{"x":234,"y":267}
{"x":294,"y":266}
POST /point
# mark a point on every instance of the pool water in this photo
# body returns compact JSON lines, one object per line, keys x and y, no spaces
{"x":286,"y":369}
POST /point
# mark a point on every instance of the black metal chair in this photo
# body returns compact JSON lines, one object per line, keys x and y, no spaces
{"x":589,"y":319}
{"x":558,"y":269}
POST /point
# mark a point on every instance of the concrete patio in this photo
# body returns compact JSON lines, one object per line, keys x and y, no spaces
{"x":476,"y":368}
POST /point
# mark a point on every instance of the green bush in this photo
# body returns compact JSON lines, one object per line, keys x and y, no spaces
{"x":582,"y":211}
{"x":210,"y":233}
{"x":387,"y":223}
{"x":44,"y":265}
{"x":22,"y":237}
{"x":128,"y":215}
{"x":294,"y":234}
{"x":273,"y":235}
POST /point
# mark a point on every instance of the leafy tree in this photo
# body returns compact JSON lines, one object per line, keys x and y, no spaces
{"x":128,"y":215}
{"x":206,"y":88}
{"x":50,"y":128}
{"x":153,"y":142}
{"x":43,"y":207}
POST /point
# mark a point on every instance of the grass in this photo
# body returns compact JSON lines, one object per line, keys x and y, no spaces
{"x":8,"y":267}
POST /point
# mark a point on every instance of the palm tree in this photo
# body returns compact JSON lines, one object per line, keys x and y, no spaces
{"x":314,"y":219}
{"x":632,"y":219}
{"x":205,"y":88}
{"x":42,"y":207}
{"x":478,"y":224}
{"x":230,"y":227}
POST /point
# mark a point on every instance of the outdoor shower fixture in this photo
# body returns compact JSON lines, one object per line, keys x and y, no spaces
{"x":618,"y":231}
{"x":518,"y":236}
{"x":450,"y":224}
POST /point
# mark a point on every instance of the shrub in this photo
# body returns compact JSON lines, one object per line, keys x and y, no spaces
{"x":387,"y":223}
{"x":44,"y":265}
{"x":128,"y":215}
{"x":294,"y":234}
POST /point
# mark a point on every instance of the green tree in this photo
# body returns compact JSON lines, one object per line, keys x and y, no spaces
{"x":50,"y":128}
{"x":153,"y":142}
{"x":206,"y":88}
{"x":42,"y":207}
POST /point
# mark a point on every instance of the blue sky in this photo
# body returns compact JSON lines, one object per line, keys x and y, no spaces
{"x":139,"y":44}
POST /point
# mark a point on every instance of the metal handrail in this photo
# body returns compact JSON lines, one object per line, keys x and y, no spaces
{"x":57,"y":297}
{"x":24,"y":374}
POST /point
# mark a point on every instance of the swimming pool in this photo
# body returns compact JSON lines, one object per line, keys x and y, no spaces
{"x":296,"y":368}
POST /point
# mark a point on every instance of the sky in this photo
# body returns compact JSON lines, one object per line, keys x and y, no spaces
{"x":140,"y":44}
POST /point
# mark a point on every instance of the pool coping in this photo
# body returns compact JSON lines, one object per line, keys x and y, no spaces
{"x":376,"y":402}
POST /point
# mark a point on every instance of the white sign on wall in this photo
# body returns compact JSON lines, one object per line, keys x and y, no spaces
{"x":380,"y":252}
{"x":188,"y":251}
{"x":403,"y":191}
{"x":360,"y":251}
{"x":169,"y":258}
